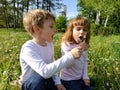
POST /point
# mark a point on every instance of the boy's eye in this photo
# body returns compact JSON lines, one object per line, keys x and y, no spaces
{"x":52,"y":26}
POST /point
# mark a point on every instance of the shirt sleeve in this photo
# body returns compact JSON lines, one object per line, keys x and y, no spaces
{"x":65,"y":48}
{"x":85,"y":68}
{"x":33,"y":59}
{"x":56,"y":79}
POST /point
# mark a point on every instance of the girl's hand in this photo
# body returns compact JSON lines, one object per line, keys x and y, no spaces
{"x":60,"y":87}
{"x":87,"y":82}
{"x":83,"y":46}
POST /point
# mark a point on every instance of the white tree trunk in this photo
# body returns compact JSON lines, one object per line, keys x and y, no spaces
{"x":97,"y":18}
{"x":105,"y":24}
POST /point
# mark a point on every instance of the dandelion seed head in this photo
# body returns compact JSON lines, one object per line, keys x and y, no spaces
{"x":108,"y":74}
{"x":117,"y":69}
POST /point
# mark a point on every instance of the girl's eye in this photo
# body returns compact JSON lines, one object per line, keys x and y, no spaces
{"x":85,"y":30}
{"x":78,"y":29}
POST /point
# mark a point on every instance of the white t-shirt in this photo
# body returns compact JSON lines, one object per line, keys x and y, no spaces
{"x":40,"y":59}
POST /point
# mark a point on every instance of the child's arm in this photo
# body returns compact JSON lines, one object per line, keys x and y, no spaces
{"x":57,"y":81}
{"x":34,"y":60}
{"x":85,"y":69}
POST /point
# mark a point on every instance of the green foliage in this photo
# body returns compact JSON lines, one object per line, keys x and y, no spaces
{"x":11,"y":11}
{"x":11,"y":42}
{"x":103,"y":55}
{"x":61,"y":23}
{"x":57,"y":45}
{"x":97,"y":29}
{"x":104,"y":65}
{"x":109,"y":12}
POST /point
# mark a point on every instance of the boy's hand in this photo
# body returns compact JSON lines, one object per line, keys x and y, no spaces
{"x":87,"y":82}
{"x":60,"y":87}
{"x":76,"y":52}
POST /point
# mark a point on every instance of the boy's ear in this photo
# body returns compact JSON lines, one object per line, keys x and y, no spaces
{"x":35,"y":28}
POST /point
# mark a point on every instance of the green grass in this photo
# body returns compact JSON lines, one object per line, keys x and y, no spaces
{"x":104,"y":64}
{"x":103,"y":55}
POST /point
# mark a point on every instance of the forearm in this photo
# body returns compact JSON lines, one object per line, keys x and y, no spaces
{"x":48,"y":70}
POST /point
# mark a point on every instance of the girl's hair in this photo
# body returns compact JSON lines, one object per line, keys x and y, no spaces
{"x":36,"y":17}
{"x":82,"y":21}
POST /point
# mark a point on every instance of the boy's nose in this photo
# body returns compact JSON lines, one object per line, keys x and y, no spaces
{"x":54,"y":30}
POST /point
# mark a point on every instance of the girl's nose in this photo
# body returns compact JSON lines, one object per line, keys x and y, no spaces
{"x":81,"y":31}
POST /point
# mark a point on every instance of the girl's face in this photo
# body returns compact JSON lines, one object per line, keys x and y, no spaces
{"x":79,"y":33}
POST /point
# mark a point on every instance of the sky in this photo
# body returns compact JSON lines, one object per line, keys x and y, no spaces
{"x":71,"y":8}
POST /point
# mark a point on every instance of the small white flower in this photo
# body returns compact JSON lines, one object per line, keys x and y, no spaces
{"x":116,"y":68}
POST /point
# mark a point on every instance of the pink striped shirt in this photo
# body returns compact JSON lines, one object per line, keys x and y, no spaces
{"x":78,"y":69}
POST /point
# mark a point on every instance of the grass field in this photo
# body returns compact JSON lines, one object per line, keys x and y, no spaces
{"x":103,"y":55}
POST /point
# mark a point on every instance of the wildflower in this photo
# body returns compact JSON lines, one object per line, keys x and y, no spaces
{"x":108,"y":74}
{"x":116,"y":68}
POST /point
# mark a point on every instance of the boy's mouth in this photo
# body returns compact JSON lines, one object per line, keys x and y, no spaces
{"x":52,"y":36}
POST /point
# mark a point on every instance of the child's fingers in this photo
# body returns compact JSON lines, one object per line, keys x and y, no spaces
{"x":82,"y":46}
{"x":87,"y":82}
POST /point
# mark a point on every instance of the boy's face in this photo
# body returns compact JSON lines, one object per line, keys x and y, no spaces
{"x":79,"y":33}
{"x":48,"y":30}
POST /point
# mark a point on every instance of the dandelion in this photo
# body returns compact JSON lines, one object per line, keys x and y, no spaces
{"x":108,"y":74}
{"x":16,"y":46}
{"x":115,"y":79}
{"x":116,"y":63}
{"x":110,"y":88}
{"x":107,"y":83}
{"x":10,"y":55}
{"x":117,"y":69}
{"x":5,"y":72}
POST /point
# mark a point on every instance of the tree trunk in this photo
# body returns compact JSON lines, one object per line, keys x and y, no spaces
{"x":5,"y":13}
{"x":14,"y":20}
{"x":97,"y":18}
{"x":105,"y":24}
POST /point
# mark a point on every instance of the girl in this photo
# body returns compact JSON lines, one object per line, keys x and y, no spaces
{"x":75,"y":76}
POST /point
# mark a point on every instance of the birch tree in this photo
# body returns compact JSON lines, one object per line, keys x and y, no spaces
{"x":103,"y":8}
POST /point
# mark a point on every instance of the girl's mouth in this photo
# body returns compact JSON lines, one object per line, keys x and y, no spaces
{"x":81,"y":39}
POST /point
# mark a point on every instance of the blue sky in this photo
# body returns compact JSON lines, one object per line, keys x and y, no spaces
{"x":71,"y":8}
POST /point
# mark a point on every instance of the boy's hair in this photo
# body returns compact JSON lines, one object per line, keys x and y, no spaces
{"x":36,"y":17}
{"x":82,"y":21}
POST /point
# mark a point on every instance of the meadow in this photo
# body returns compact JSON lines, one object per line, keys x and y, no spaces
{"x":103,"y":58}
